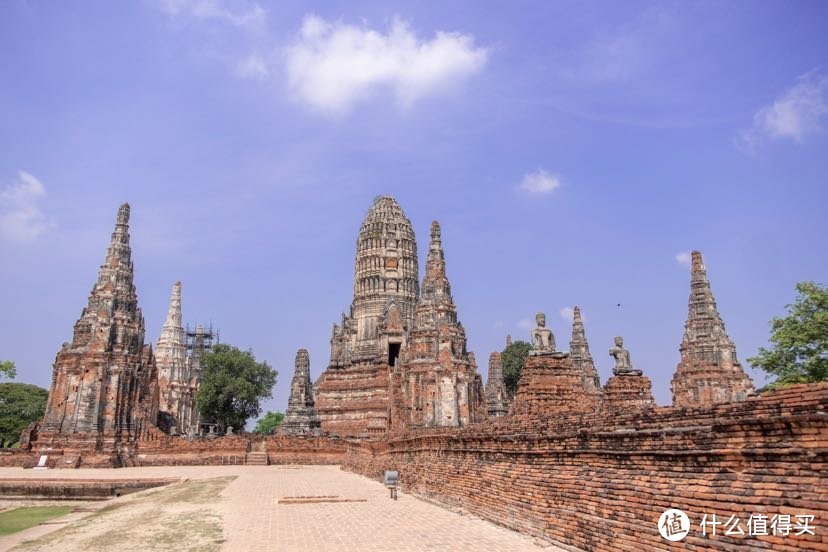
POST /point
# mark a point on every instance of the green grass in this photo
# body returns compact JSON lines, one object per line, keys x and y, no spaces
{"x":23,"y":518}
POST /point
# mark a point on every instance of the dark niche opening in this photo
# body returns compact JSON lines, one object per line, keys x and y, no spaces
{"x":393,"y":353}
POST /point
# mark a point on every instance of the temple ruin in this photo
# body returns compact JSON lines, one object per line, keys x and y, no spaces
{"x":178,"y":357}
{"x":399,"y":359}
{"x":581,"y":357}
{"x":709,"y":371}
{"x":438,"y":376}
{"x":569,"y":461}
{"x":300,"y":416}
{"x":497,"y":396}
{"x":104,"y":391}
{"x":352,"y":393}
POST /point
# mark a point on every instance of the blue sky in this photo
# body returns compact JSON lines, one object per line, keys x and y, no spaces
{"x":571,"y":151}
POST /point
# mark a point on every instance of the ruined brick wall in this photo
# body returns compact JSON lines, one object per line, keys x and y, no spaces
{"x":283,"y":449}
{"x":231,"y":449}
{"x":177,"y":451}
{"x":158,"y":449}
{"x":596,"y":482}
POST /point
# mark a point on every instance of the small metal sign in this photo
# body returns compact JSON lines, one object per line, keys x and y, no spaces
{"x":392,"y":478}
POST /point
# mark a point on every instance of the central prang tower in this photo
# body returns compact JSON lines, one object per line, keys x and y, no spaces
{"x":352,"y":394}
{"x":385,"y":288}
{"x":399,"y":358}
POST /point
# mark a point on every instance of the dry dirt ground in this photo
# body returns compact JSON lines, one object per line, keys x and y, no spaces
{"x":272,"y":508}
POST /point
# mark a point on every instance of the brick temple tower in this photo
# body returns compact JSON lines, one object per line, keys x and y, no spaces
{"x":581,"y":357}
{"x":439,"y":378}
{"x":300,"y":416}
{"x":497,"y":396}
{"x":709,"y":371}
{"x":352,"y":394}
{"x":104,"y":390}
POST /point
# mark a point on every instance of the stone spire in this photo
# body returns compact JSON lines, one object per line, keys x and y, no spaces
{"x":171,"y":359}
{"x":441,"y":383}
{"x":508,"y":339}
{"x":300,"y":416}
{"x":171,"y":350}
{"x":709,"y":371}
{"x":579,"y":351}
{"x":104,"y":384}
{"x":435,"y":283}
{"x":496,"y":395}
{"x":436,"y":309}
{"x":112,"y":319}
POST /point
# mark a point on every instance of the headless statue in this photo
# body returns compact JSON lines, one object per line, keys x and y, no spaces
{"x":623,"y":363}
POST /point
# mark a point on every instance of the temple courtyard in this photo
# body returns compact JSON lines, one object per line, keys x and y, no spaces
{"x":253,"y":508}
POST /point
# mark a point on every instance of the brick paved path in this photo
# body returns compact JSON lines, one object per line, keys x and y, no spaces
{"x":253,"y":518}
{"x":255,"y":521}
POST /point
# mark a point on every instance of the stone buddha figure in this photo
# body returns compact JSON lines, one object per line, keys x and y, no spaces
{"x":623,"y":363}
{"x":543,"y":341}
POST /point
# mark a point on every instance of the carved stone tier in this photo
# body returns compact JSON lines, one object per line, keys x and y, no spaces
{"x":628,"y":393}
{"x":550,"y":384}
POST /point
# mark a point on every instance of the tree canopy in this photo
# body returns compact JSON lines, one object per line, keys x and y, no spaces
{"x":799,"y":341}
{"x":513,"y":358}
{"x":269,"y":422}
{"x":7,"y":369}
{"x":233,"y":385}
{"x":20,"y":405}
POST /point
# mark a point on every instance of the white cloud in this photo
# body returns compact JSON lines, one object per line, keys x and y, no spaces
{"x":795,"y":115}
{"x":333,"y":66}
{"x":540,"y":182}
{"x":252,"y":67}
{"x":21,"y":219}
{"x":526,"y":324}
{"x":684,"y":258}
{"x":253,"y":17}
{"x":498,"y":324}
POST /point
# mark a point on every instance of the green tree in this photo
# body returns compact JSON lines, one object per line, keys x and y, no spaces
{"x":269,"y":422}
{"x":513,"y":358}
{"x":20,"y":405}
{"x":799,"y":341}
{"x":7,"y":369}
{"x":232,"y":386}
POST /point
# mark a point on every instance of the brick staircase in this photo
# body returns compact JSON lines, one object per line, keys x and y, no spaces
{"x":255,"y":458}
